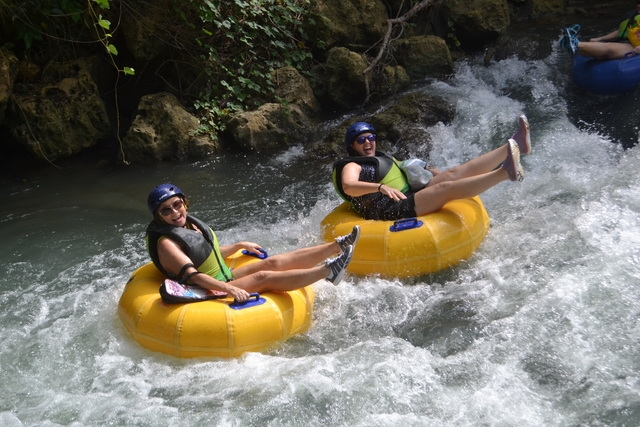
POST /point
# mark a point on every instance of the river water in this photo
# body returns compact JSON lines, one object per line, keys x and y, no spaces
{"x":540,"y":327}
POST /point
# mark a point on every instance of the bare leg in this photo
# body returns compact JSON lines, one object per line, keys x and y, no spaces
{"x":433,"y":197}
{"x":303,"y":258}
{"x":601,"y":50}
{"x":480,"y":165}
{"x":263,"y":281}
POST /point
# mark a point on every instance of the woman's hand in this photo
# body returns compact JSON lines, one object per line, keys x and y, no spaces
{"x":238,"y":294}
{"x":229,"y":250}
{"x":392,"y":193}
{"x":254,"y":248}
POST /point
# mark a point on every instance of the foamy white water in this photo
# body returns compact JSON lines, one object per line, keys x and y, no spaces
{"x":538,"y":328}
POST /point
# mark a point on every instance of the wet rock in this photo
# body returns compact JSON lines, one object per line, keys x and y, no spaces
{"x":59,"y":120}
{"x":341,"y":79}
{"x":163,"y":130}
{"x":353,"y":23}
{"x":269,"y":127}
{"x":478,"y":22}
{"x":294,"y":89}
{"x":423,"y":56}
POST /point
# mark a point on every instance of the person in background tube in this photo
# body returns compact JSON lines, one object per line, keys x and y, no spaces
{"x":618,"y":44}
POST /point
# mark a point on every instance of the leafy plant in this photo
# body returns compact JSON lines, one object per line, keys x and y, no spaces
{"x":103,"y":27}
{"x":451,"y":34}
{"x":240,"y":43}
{"x":25,"y":23}
{"x":57,"y":21}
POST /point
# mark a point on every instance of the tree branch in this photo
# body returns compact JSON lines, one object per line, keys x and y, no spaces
{"x":391,"y":23}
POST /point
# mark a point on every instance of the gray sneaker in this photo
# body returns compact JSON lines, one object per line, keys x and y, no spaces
{"x":512,"y":163}
{"x":339,"y":264}
{"x":349,"y":239}
{"x":522,"y":135}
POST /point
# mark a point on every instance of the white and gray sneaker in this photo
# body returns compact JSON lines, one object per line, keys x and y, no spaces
{"x":338,"y":265}
{"x":349,"y":239}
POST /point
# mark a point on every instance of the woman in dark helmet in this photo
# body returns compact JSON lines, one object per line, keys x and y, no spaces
{"x":377,"y":188}
{"x":186,"y":249}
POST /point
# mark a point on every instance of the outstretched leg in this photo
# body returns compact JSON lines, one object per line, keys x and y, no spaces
{"x":298,"y":259}
{"x":263,"y":281}
{"x":301,"y":258}
{"x":604,"y":51}
{"x":488,"y":161}
{"x":433,"y":197}
{"x":332,"y":269}
{"x":478,"y":166}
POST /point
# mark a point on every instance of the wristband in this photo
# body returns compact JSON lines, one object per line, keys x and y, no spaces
{"x":379,"y":187}
{"x":188,"y":276}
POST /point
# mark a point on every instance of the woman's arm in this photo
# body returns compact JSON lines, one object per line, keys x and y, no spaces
{"x":173,"y":259}
{"x":351,"y":183}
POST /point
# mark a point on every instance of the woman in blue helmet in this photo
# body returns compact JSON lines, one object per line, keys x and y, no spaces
{"x":186,"y":249}
{"x":376,"y":187}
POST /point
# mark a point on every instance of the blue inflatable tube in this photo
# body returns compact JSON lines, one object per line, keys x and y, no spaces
{"x":610,"y":77}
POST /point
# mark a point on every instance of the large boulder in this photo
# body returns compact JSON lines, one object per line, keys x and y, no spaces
{"x":547,"y":7}
{"x":357,"y":24}
{"x":279,"y":124}
{"x":340,"y":80}
{"x":477,"y":22}
{"x":423,"y":56}
{"x":292,"y":88}
{"x":394,"y":79}
{"x":55,"y":121}
{"x":272,"y":126}
{"x":404,"y":120}
{"x":163,"y":130}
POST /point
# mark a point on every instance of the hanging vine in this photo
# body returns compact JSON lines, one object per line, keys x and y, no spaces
{"x":103,"y":28}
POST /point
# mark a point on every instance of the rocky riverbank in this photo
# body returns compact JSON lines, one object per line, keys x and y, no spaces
{"x":53,"y":109}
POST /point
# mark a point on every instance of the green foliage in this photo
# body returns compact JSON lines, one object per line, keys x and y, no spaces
{"x":103,"y":27}
{"x":240,"y":43}
{"x":451,"y":34}
{"x":57,"y":21}
{"x":24,"y":23}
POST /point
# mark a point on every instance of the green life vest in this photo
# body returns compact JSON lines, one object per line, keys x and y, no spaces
{"x":630,"y":29}
{"x":202,"y":248}
{"x":387,"y":172}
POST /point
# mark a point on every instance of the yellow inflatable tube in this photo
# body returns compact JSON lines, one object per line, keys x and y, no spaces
{"x":210,"y":328}
{"x":439,"y":240}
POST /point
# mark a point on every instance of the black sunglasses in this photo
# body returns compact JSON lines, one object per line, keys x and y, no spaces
{"x":361,"y":139}
{"x":175,"y":206}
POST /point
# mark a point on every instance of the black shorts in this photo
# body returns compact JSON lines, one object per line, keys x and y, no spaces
{"x":380,"y":207}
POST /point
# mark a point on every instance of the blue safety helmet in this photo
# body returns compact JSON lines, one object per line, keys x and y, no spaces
{"x":161,"y":193}
{"x":355,"y":130}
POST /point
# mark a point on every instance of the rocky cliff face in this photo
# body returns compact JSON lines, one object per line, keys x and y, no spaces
{"x":56,"y":109}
